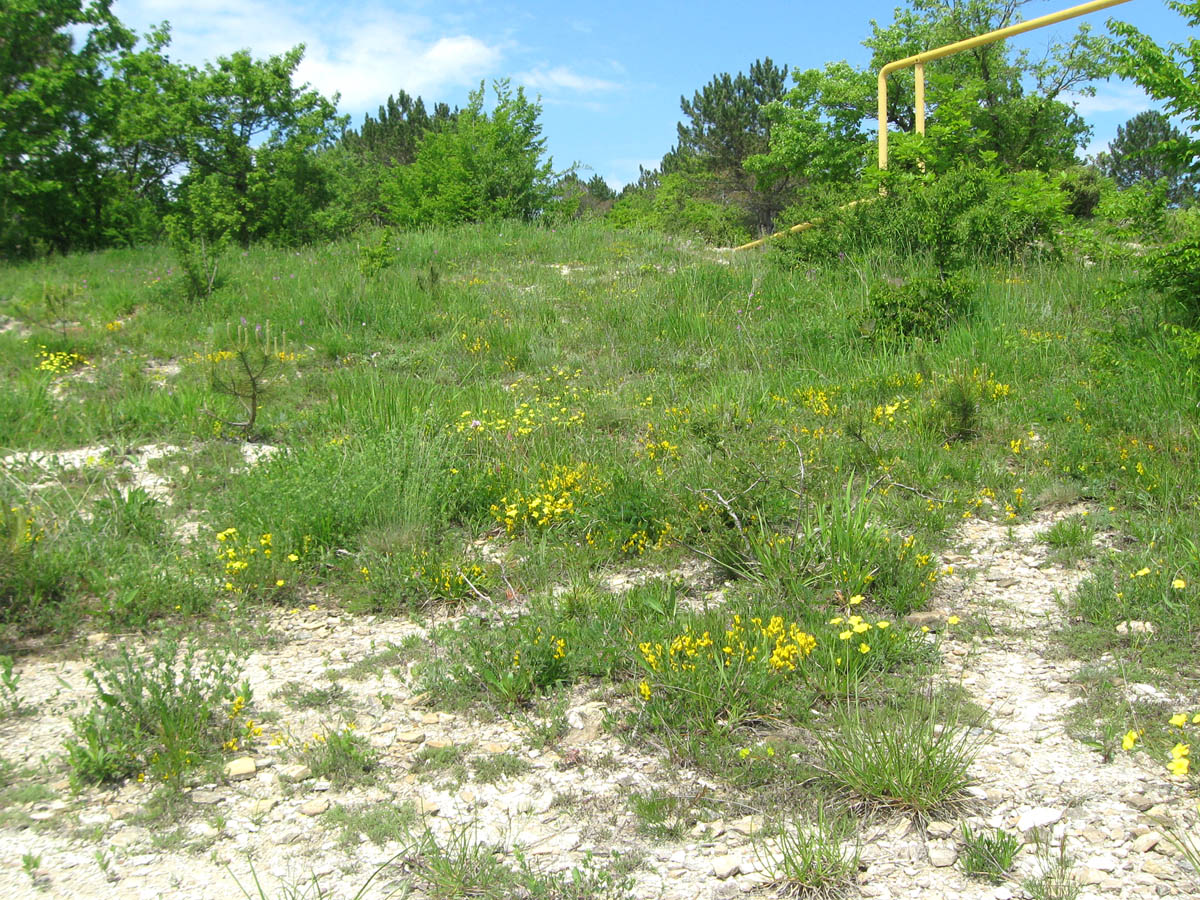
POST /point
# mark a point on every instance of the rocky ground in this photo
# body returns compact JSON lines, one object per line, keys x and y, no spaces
{"x":563,"y":800}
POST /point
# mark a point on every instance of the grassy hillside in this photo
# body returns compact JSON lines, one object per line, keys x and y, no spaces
{"x":512,"y":420}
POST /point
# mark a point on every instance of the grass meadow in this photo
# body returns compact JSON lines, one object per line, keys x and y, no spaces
{"x":504,"y":418}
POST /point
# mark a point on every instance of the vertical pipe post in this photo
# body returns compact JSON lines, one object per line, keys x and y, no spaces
{"x":883,"y":118}
{"x":919,"y":71}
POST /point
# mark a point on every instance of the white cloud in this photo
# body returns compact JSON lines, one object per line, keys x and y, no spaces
{"x":562,"y":78}
{"x":364,"y":53}
{"x":1111,"y":98}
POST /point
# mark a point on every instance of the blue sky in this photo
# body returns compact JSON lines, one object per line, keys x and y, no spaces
{"x":609,"y":75}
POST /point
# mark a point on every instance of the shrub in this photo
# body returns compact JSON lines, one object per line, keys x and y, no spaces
{"x":916,"y":307}
{"x":478,"y":169}
{"x":158,"y":716}
{"x":963,"y":216}
{"x":1174,"y":271}
{"x":914,"y":759}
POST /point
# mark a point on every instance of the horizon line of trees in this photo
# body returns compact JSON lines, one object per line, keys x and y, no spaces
{"x":105,"y":141}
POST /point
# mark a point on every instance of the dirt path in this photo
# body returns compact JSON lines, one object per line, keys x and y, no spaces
{"x":574,"y":799}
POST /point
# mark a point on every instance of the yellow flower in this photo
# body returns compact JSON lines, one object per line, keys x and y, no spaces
{"x":1178,"y":720}
{"x":644,"y":690}
{"x":1179,"y":751}
{"x":836,"y":620}
{"x":883,"y":624}
{"x":278,"y":582}
{"x":744,"y":752}
{"x":1140,"y":572}
{"x":1129,"y":740}
{"x":864,"y":648}
{"x":953,"y":620}
{"x":845,"y":635}
{"x":1196,"y":719}
{"x":313,"y":607}
{"x":1178,"y":766}
{"x":1179,"y":584}
{"x":856,"y":599}
{"x":292,"y":557}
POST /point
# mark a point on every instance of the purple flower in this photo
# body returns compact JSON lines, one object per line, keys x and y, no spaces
{"x":243,"y":320}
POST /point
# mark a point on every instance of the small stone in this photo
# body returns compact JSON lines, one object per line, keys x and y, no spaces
{"x":747,"y":825}
{"x":262,"y":807}
{"x":429,"y":719}
{"x":1135,"y":627}
{"x":900,"y":829}
{"x":427,"y":807}
{"x":410,"y":737}
{"x":98,"y":637}
{"x":1038,"y":818}
{"x":927,"y":618}
{"x":1002,"y":893}
{"x":1086,"y":875}
{"x":494,"y":746}
{"x":203,"y":830}
{"x":438,"y":744}
{"x":556,"y":845}
{"x":1146,"y":842}
{"x":1150,"y":866}
{"x":294,"y":772}
{"x":1140,"y":802}
{"x":1102,"y":862}
{"x":939,"y":829}
{"x":942,"y":856}
{"x":314,"y":807}
{"x":120,"y":810}
{"x":207,"y":798}
{"x":240,"y":768}
{"x":726,"y":866}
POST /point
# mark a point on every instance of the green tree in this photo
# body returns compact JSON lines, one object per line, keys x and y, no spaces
{"x":254,"y":130}
{"x":1139,"y":153}
{"x":1171,"y":75}
{"x":990,"y":102}
{"x":724,"y":126}
{"x":53,"y":122}
{"x":479,"y":168}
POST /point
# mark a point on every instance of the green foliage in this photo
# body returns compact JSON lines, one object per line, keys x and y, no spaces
{"x":158,"y":716}
{"x":1056,"y":879}
{"x":53,"y":122}
{"x":1174,"y":271}
{"x":200,"y":229}
{"x":244,"y":373}
{"x":915,"y":758}
{"x":482,"y":167}
{"x":988,"y":856}
{"x":339,"y":755}
{"x":1084,"y":188}
{"x":917,"y":307}
{"x":1167,"y":74}
{"x":36,"y":571}
{"x":818,"y":857}
{"x":10,"y":685}
{"x":677,"y":205}
{"x":1143,"y":150}
{"x":965,"y":214}
{"x":726,"y":125}
{"x":668,"y":815}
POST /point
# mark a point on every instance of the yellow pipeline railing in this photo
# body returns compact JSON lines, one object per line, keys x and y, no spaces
{"x":917,"y":62}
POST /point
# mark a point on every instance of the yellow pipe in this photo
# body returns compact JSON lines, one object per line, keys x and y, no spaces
{"x":803,"y":226}
{"x":970,"y":43}
{"x":918,"y":62}
{"x":919,"y":72}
